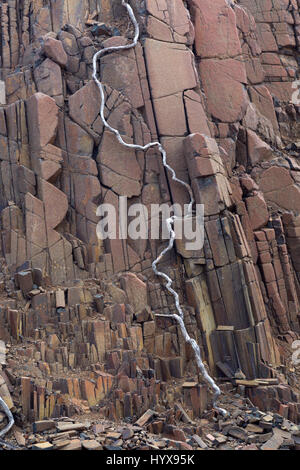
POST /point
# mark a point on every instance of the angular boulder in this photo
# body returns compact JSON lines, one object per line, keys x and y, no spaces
{"x":42,"y":118}
{"x":54,"y":50}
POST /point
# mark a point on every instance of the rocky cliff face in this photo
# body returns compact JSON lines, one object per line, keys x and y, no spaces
{"x":215,"y":82}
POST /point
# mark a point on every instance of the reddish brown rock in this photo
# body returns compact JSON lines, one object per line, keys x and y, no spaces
{"x":55,"y":51}
{"x":279,"y":188}
{"x":49,"y":169}
{"x":78,"y":141}
{"x":35,"y":223}
{"x":136,"y":291}
{"x":52,"y":181}
{"x":170,"y":21}
{"x":196,"y":117}
{"x":248,"y":184}
{"x":121,"y":72}
{"x":223,"y":85}
{"x":91,"y":444}
{"x":263,"y":101}
{"x":170,"y":115}
{"x":257,"y":210}
{"x":258,"y":150}
{"x":206,"y":171}
{"x":85,"y":104}
{"x":87,"y":189}
{"x":282,"y":90}
{"x":53,"y":197}
{"x":216,"y":34}
{"x":159,"y":30}
{"x":170,"y":68}
{"x":48,"y":78}
{"x":119,"y":168}
{"x":42,"y":115}
{"x":275,"y":179}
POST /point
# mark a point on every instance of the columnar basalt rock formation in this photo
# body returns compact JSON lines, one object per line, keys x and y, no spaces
{"x":213,"y":81}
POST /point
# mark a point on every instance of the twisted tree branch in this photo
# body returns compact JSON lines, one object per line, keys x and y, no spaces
{"x":179,"y":318}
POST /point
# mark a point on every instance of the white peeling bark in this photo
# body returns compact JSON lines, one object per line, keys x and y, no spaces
{"x":9,"y":415}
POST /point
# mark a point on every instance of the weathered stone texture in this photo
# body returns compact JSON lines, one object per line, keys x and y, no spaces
{"x":213,"y":82}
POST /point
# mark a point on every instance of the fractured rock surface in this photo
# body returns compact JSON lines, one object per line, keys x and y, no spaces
{"x":214,"y":83}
